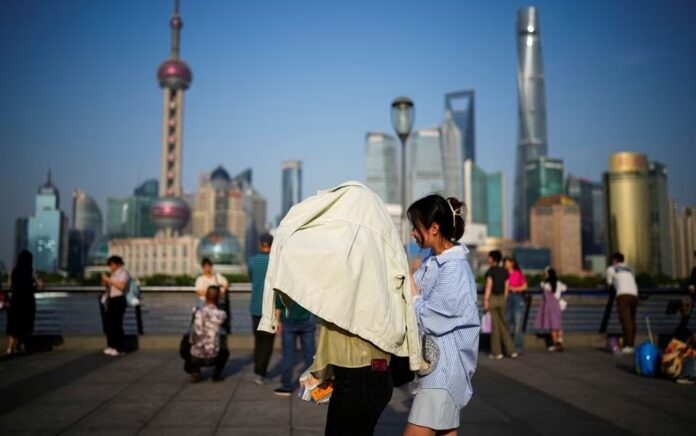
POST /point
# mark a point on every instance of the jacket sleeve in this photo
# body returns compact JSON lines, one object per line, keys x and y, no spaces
{"x":447,"y":306}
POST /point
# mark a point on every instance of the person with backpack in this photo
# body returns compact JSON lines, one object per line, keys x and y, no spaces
{"x":621,"y":279}
{"x":113,"y":304}
{"x":205,"y":339}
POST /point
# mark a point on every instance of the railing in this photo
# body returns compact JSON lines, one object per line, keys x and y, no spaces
{"x":166,"y":310}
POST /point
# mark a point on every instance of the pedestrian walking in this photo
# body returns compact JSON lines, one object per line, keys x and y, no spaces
{"x":295,"y":324}
{"x":207,"y":279}
{"x":263,"y":341}
{"x":113,"y":304}
{"x":205,"y":349}
{"x":622,"y":281}
{"x":548,"y":315}
{"x":515,"y":302}
{"x":494,"y":298}
{"x":446,"y":309}
{"x":24,"y":282}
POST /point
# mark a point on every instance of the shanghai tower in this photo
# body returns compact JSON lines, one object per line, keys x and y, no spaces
{"x":532,"y":142}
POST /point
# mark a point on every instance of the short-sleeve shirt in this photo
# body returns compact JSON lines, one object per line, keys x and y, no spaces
{"x":205,"y":335}
{"x":499,"y":276}
{"x":621,"y":277}
{"x":203,"y":282}
{"x":517,"y":278}
{"x":120,"y":275}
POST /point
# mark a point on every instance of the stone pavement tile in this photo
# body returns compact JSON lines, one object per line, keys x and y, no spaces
{"x":147,"y":393}
{"x":498,"y":429}
{"x":256,"y":430}
{"x":303,"y":431}
{"x":48,"y":418}
{"x":206,"y":390}
{"x":118,"y":415}
{"x":101,"y":432}
{"x":248,"y":391}
{"x":273,"y":412}
{"x":480,"y":412}
{"x":308,"y":415}
{"x":188,"y":414}
{"x":92,"y":393}
{"x":179,"y":431}
{"x":387,"y":430}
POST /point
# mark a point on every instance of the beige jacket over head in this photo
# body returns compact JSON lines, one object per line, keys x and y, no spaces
{"x":338,"y":255}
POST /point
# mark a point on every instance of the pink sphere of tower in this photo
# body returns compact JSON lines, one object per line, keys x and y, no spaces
{"x":170,"y":213}
{"x":175,"y":74}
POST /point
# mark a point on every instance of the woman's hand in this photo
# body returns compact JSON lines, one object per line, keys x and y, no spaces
{"x":486,"y":305}
{"x":414,"y":290}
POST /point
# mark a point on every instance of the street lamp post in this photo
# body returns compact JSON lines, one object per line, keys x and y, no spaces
{"x":403,"y":113}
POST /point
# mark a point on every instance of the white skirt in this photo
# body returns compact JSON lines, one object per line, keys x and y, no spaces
{"x":435,"y":409}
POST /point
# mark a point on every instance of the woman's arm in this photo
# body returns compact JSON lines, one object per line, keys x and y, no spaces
{"x":449,"y":306}
{"x":507,"y":288}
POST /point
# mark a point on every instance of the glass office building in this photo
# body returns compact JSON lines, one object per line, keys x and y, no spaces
{"x":381,"y":166}
{"x":425,"y":164}
{"x":47,"y":230}
{"x":292,"y":185}
{"x":483,"y":195}
{"x":660,"y":240}
{"x":590,"y":198}
{"x":87,"y":216}
{"x":543,"y":177}
{"x":458,"y":139}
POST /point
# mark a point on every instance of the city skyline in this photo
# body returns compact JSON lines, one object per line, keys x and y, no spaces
{"x":71,"y":127}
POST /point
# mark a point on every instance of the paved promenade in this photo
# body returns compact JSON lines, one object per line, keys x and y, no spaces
{"x":146,"y":393}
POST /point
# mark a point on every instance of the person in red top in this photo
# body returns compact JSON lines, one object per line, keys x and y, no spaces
{"x":515,"y":301}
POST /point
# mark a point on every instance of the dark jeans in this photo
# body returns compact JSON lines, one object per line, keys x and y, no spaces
{"x":194,"y":364}
{"x":113,"y":322}
{"x":306,"y":331}
{"x":263,"y":347}
{"x":358,"y":399}
{"x":515,"y":308}
{"x":626,"y":306}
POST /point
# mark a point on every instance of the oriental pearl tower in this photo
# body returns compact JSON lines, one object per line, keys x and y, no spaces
{"x":170,"y":213}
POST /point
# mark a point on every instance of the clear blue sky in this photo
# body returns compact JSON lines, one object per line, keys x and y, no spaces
{"x":306,"y":79}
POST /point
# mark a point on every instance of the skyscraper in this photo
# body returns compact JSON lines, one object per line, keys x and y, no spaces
{"x":628,"y":209}
{"x":590,"y":197}
{"x":555,"y":224}
{"x":543,"y":177}
{"x":484,"y":198}
{"x":381,"y":166}
{"x":458,"y":139}
{"x":683,"y":240}
{"x":87,"y":216}
{"x":292,"y":185}
{"x":21,"y":236}
{"x":660,"y":242}
{"x":254,"y":206}
{"x":47,"y":230}
{"x":532,"y":140}
{"x":426,"y":171}
{"x":171,"y":213}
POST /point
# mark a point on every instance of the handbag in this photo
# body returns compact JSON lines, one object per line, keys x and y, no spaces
{"x":185,"y":343}
{"x":431,"y":354}
{"x":486,"y":323}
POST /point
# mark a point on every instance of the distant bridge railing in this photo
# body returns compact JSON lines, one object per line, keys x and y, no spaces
{"x":166,"y":310}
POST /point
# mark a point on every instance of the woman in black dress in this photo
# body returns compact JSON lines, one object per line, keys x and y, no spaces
{"x":20,"y":317}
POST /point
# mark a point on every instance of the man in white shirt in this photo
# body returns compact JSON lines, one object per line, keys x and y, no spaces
{"x":207,"y":279}
{"x":621,"y":278}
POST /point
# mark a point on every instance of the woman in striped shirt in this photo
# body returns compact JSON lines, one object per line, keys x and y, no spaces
{"x":446,"y":310}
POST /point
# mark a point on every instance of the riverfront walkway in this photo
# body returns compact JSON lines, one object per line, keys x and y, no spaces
{"x":146,"y":393}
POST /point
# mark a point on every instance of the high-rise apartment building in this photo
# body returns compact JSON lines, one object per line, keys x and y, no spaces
{"x":47,"y":230}
{"x":292,"y":185}
{"x":382,"y":166}
{"x":426,"y":175}
{"x":532,"y":140}
{"x":627,"y":190}
{"x":683,"y":240}
{"x":555,"y":224}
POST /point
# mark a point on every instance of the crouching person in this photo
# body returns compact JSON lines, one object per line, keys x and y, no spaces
{"x":205,"y":339}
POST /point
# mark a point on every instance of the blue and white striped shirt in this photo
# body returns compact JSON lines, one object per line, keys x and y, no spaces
{"x":447,"y":310}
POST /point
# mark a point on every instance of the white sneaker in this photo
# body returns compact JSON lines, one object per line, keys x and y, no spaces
{"x":495,"y":356}
{"x":111,"y":352}
{"x":260,"y":380}
{"x":627,"y":350}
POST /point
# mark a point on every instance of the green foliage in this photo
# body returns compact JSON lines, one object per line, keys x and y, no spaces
{"x":237,"y":278}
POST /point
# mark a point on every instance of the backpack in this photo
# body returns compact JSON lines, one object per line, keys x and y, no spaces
{"x":133,"y":294}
